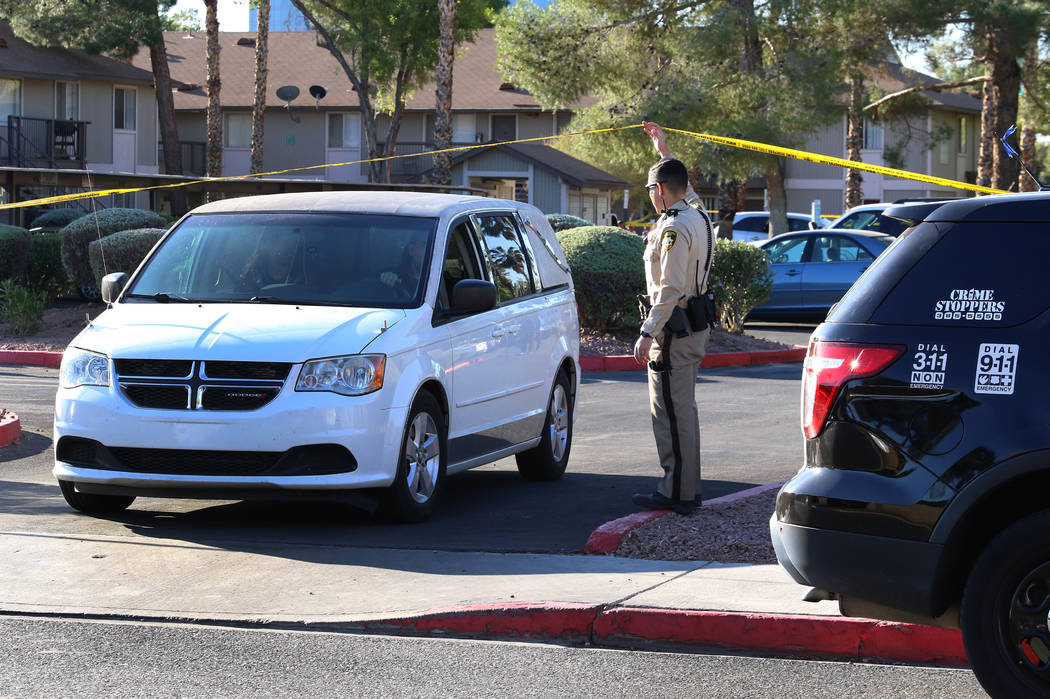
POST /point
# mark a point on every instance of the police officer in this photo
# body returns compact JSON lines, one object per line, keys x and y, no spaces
{"x":676,"y":260}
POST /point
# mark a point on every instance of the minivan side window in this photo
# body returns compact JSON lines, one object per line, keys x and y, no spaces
{"x":507,"y":261}
{"x":461,"y":262}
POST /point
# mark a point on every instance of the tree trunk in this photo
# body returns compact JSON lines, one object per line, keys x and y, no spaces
{"x":854,"y":140}
{"x":1006,"y":85}
{"x":169,"y":133}
{"x":443,"y":117}
{"x":262,"y":36}
{"x":778,"y":219}
{"x":727,"y":205}
{"x":213,"y":154}
{"x":984,"y":156}
{"x":1024,"y":182}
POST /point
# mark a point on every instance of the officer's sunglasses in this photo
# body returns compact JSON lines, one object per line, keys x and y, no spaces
{"x":651,"y":187}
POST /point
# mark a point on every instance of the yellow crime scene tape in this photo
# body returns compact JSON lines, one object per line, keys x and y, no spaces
{"x":734,"y":142}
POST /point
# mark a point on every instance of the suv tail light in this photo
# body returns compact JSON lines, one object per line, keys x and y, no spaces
{"x":828,"y":365}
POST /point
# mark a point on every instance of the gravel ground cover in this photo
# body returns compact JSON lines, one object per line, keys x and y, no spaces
{"x":732,"y":532}
{"x":598,"y":344}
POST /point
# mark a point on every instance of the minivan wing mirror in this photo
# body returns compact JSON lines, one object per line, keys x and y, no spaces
{"x":472,"y":296}
{"x":112,"y":285}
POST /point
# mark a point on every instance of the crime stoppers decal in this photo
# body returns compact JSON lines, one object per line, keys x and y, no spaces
{"x":969,"y":304}
{"x":996,"y":368}
{"x":928,"y":366}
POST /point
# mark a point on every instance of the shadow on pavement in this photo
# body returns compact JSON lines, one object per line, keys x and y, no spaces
{"x":29,"y":444}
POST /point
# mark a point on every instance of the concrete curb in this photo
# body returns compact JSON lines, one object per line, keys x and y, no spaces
{"x":31,"y":358}
{"x":10,"y":428}
{"x":608,"y":537}
{"x":625,"y":362}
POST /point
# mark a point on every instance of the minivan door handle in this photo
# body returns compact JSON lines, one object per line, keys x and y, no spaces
{"x":498,"y":333}
{"x":512,"y":329}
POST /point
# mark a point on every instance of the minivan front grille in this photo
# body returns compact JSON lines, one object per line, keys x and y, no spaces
{"x":177,"y":384}
{"x":308,"y":460}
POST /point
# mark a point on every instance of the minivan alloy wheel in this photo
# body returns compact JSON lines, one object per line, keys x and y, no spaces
{"x":422,"y":457}
{"x":559,"y":422}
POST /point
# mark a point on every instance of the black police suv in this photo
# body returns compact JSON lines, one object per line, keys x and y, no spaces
{"x":925,"y":494}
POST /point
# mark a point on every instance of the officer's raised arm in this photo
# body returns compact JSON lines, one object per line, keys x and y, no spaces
{"x":660,"y":144}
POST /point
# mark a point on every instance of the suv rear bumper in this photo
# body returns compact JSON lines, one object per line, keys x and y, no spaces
{"x":897,"y":573}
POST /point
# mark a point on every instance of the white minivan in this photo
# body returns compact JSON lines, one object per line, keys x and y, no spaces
{"x":315,"y":345}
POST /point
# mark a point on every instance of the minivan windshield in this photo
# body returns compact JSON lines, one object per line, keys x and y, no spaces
{"x":328,"y":259}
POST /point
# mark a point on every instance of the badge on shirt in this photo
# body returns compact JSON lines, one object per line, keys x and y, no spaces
{"x":670,"y":238}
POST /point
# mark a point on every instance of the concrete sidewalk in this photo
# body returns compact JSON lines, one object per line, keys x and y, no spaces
{"x":598,"y":599}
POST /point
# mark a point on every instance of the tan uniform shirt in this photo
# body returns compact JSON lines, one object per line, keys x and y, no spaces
{"x":675,"y":257}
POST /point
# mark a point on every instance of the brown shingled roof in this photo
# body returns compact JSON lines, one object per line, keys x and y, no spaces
{"x":21,"y":59}
{"x":296,"y":59}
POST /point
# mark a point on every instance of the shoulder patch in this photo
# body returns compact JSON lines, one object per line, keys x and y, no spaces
{"x":670,"y":238}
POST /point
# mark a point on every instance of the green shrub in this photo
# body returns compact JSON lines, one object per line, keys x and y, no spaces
{"x":56,"y":218}
{"x":563,"y":222}
{"x":123,"y":251}
{"x":14,"y":249}
{"x":23,"y":308}
{"x":608,"y":272}
{"x":740,"y":280}
{"x":77,"y":235}
{"x":44,"y":271}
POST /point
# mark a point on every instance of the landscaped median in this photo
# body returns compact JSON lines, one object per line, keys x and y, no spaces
{"x":626,"y":362}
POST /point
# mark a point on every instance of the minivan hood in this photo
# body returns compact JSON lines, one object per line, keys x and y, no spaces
{"x":233,"y":332}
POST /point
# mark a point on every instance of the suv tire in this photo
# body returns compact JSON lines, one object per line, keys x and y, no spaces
{"x":92,"y":504}
{"x":1009,"y":585}
{"x":547,"y":460}
{"x":419,"y":482}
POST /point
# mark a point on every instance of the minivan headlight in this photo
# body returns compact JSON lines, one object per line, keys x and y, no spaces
{"x":353,"y":375}
{"x":83,"y":368}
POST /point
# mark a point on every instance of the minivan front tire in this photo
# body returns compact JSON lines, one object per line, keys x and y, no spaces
{"x":92,"y":504}
{"x":420,"y":478}
{"x":1004,"y":611}
{"x":547,"y":460}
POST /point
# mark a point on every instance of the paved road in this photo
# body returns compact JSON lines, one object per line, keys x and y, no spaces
{"x":788,"y":333}
{"x":750,"y":432}
{"x":40,"y":657}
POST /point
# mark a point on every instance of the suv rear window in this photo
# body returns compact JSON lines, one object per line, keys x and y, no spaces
{"x":968,"y":274}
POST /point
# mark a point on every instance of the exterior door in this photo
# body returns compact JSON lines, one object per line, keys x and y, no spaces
{"x":786,"y":257}
{"x":835,"y":262}
{"x":125,"y":136}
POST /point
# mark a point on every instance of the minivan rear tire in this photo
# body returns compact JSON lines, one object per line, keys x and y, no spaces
{"x":1012,"y":570}
{"x":547,"y":460}
{"x":92,"y":504}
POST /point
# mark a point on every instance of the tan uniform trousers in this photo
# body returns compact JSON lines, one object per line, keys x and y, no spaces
{"x":672,"y":405}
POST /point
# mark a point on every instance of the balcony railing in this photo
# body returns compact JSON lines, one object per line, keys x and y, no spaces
{"x":50,"y":143}
{"x":192,"y":158}
{"x":404,"y":169}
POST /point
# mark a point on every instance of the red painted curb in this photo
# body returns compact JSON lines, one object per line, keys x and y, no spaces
{"x":607,"y":538}
{"x":551,"y":621}
{"x":625,"y":362}
{"x":815,"y":635}
{"x":48,"y":359}
{"x":10,"y":428}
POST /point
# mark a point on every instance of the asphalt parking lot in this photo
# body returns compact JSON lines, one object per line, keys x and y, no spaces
{"x":749,"y":422}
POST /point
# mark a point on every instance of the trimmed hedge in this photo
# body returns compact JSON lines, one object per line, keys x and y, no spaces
{"x":740,"y":281}
{"x":608,"y":272}
{"x":44,"y":270}
{"x":77,"y":235}
{"x":123,"y":251}
{"x":56,"y":218}
{"x":14,"y":251}
{"x":563,"y":222}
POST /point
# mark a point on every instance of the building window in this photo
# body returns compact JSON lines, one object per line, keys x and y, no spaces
{"x":67,"y":101}
{"x":124,"y":108}
{"x":504,"y":127}
{"x":872,"y":134}
{"x":344,"y":130}
{"x":463,"y":128}
{"x":962,"y":134}
{"x":237,"y":131}
{"x":10,"y":99}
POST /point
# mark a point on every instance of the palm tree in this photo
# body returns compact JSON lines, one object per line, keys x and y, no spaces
{"x":443,"y":118}
{"x":261,"y":57}
{"x":213,"y":166}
